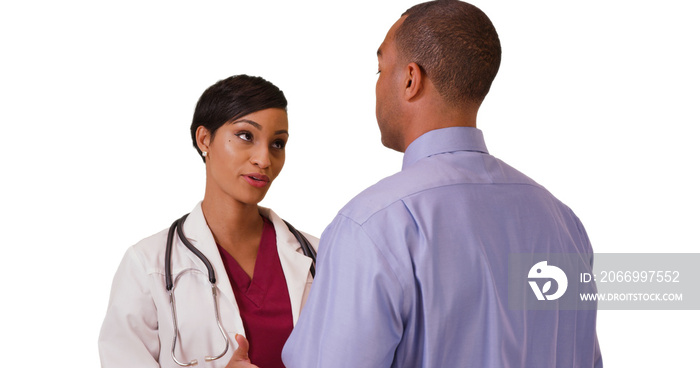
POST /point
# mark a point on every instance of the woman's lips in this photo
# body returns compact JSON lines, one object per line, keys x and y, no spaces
{"x":257,"y":180}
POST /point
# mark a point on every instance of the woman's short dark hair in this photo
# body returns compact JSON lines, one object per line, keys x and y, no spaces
{"x":232,"y":98}
{"x":455,"y":44}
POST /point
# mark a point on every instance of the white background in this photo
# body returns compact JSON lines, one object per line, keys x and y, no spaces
{"x":597,"y":101}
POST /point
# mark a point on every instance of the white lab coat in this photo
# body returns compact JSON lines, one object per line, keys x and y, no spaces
{"x":138,"y":328}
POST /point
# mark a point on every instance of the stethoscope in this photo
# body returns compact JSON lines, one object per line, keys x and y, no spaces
{"x":177,"y":226}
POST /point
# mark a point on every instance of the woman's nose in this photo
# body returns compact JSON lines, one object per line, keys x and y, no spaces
{"x":261,"y":158}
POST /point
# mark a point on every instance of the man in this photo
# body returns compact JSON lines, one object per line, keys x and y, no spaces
{"x":413,"y":272}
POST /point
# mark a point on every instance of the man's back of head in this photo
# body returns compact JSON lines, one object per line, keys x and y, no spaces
{"x":437,"y":64}
{"x":455,"y":44}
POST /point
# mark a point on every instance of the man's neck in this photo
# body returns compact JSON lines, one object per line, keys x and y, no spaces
{"x":427,"y":120}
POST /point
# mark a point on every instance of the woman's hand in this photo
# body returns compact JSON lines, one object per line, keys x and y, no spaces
{"x":240,"y":356}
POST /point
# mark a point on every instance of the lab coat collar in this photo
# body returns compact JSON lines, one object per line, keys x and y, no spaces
{"x":198,"y":233}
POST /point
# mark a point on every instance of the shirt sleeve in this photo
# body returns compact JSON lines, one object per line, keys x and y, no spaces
{"x":353,"y":315}
{"x":129,"y":335}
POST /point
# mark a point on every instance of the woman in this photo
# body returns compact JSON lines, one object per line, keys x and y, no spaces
{"x":262,"y":278}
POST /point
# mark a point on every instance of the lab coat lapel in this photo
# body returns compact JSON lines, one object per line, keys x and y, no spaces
{"x":198,"y":233}
{"x":295,"y":264}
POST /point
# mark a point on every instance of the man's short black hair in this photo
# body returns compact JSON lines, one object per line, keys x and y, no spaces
{"x":455,"y":44}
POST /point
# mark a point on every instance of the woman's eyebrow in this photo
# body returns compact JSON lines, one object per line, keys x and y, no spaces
{"x":256,"y":125}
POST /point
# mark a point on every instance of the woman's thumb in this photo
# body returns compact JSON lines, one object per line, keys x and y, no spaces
{"x":242,"y":352}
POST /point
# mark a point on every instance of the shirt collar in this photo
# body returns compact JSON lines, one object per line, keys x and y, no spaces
{"x":444,"y":140}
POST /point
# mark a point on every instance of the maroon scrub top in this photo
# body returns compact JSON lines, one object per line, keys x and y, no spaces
{"x":263,"y":301}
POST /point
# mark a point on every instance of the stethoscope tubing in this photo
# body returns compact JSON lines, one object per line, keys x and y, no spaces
{"x":169,"y":285}
{"x":177,"y":226}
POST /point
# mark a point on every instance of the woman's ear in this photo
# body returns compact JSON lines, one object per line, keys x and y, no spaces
{"x":413,"y":81}
{"x":203,"y":139}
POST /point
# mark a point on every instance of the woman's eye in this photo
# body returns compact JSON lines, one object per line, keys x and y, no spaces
{"x":279,"y":144}
{"x":246,"y":136}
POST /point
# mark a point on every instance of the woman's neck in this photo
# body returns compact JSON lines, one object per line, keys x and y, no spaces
{"x":236,"y":226}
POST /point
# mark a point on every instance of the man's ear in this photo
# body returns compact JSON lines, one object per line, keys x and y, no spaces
{"x":203,"y":138}
{"x":413,"y":81}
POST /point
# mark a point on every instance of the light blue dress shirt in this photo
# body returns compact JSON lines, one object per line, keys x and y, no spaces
{"x":413,"y":272}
